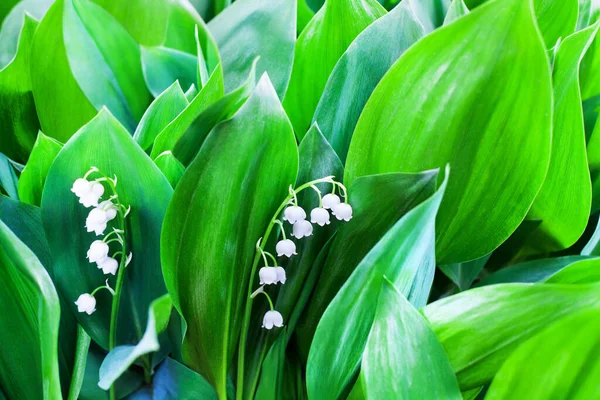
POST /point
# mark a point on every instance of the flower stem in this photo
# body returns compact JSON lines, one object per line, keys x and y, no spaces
{"x":257,"y":256}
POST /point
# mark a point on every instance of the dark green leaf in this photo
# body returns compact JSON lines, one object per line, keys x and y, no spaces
{"x":8,"y":178}
{"x":463,"y":274}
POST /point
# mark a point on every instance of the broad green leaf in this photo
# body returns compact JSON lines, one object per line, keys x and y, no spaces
{"x":406,"y":256}
{"x":121,"y":358}
{"x":583,"y":271}
{"x":403,"y":358}
{"x":456,"y":10}
{"x":33,"y":177}
{"x":592,"y":247}
{"x":564,"y":201}
{"x":105,"y":144}
{"x":8,"y":178}
{"x":556,"y":19}
{"x":174,"y":381}
{"x":171,"y":168}
{"x":530,"y":271}
{"x":163,"y":66}
{"x":18,"y":115}
{"x":496,"y":54}
{"x":303,"y":16}
{"x":481,"y":327}
{"x":30,"y":321}
{"x":587,"y":13}
{"x":318,"y":49}
{"x":255,"y":28}
{"x":208,"y":241}
{"x":359,"y":70}
{"x":378,"y":203}
{"x":559,"y":363}
{"x":463,"y":274}
{"x":163,"y":110}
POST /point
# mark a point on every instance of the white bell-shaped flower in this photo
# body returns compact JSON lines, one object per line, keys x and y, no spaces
{"x":108,"y":266}
{"x":268,"y":275}
{"x":90,"y":194}
{"x":98,"y":251}
{"x":285,"y":248}
{"x":330,"y":200}
{"x":96,"y":221}
{"x":342,"y":211}
{"x":109,"y":208}
{"x":292,"y":214}
{"x":86,"y":303}
{"x":272,"y":318}
{"x":302,"y":229}
{"x":80,"y":186}
{"x":281,"y":277}
{"x":319,"y":216}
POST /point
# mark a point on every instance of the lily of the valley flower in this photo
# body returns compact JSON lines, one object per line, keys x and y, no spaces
{"x":88,"y":192}
{"x":285,"y":247}
{"x":109,"y":208}
{"x":330,"y":200}
{"x":319,"y":216}
{"x":302,"y":229}
{"x":272,"y":318}
{"x":292,"y":214}
{"x":96,"y":221}
{"x":342,"y":211}
{"x":271,"y":275}
{"x":108,"y":266}
{"x":98,"y":251}
{"x":86,"y":303}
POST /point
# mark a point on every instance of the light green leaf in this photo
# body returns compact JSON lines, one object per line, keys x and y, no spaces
{"x":406,"y":256}
{"x":215,"y":252}
{"x":359,"y":70}
{"x":564,"y":201}
{"x":561,"y":360}
{"x":30,"y":321}
{"x":255,"y":28}
{"x":171,"y":168}
{"x":496,"y":54}
{"x":463,"y":274}
{"x":18,"y":116}
{"x":121,"y":358}
{"x":556,"y":19}
{"x":318,"y":49}
{"x":33,"y":177}
{"x":163,"y":66}
{"x":8,"y":178}
{"x":456,"y":10}
{"x":163,"y":110}
{"x":403,"y":358}
{"x":481,"y":327}
{"x":583,"y":271}
{"x":105,"y":144}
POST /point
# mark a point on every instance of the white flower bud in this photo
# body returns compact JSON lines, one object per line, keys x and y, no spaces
{"x":330,"y":200}
{"x":272,"y":318}
{"x":86,"y":303}
{"x":98,"y":251}
{"x":302,"y":229}
{"x":293,"y":214}
{"x":281,"y":277}
{"x":108,"y":266}
{"x":267,"y":275}
{"x":91,"y":194}
{"x":319,"y":216}
{"x":109,"y":208}
{"x":96,"y":221}
{"x":342,"y":211}
{"x":285,"y":247}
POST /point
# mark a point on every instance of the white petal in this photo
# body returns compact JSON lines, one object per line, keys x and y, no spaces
{"x":109,"y":266}
{"x":98,"y":251}
{"x":302,"y":229}
{"x":281,"y":277}
{"x":319,"y":216}
{"x":293,"y":214}
{"x":80,"y":186}
{"x":330,"y":200}
{"x":285,"y":247}
{"x":267,"y":275}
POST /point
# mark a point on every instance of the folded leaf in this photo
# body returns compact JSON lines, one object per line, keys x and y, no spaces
{"x":8,"y":178}
{"x":463,"y":274}
{"x":163,"y":66}
{"x":173,"y":381}
{"x":419,"y":118}
{"x":583,"y":271}
{"x":456,"y":10}
{"x":171,"y":168}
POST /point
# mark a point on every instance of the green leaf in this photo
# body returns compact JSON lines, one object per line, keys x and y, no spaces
{"x":30,"y":321}
{"x":583,"y":271}
{"x":481,"y":327}
{"x":171,"y":168}
{"x":318,"y":49}
{"x":403,"y":359}
{"x":556,"y":19}
{"x":255,"y":28}
{"x":456,"y":10}
{"x":33,"y":177}
{"x":561,"y":360}
{"x":206,"y":264}
{"x":173,"y":380}
{"x":359,"y":70}
{"x":105,"y":144}
{"x":406,"y":256}
{"x":592,"y":247}
{"x":463,"y":274}
{"x":163,"y":66}
{"x":17,"y":109}
{"x":378,"y":203}
{"x":8,"y":178}
{"x":164,"y":109}
{"x":564,"y":201}
{"x":496,"y":54}
{"x":121,"y":358}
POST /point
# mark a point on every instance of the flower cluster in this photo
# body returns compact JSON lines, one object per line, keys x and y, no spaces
{"x":301,"y":228}
{"x":90,"y":193}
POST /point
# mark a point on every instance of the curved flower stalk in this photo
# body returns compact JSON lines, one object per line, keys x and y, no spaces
{"x":301,"y":228}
